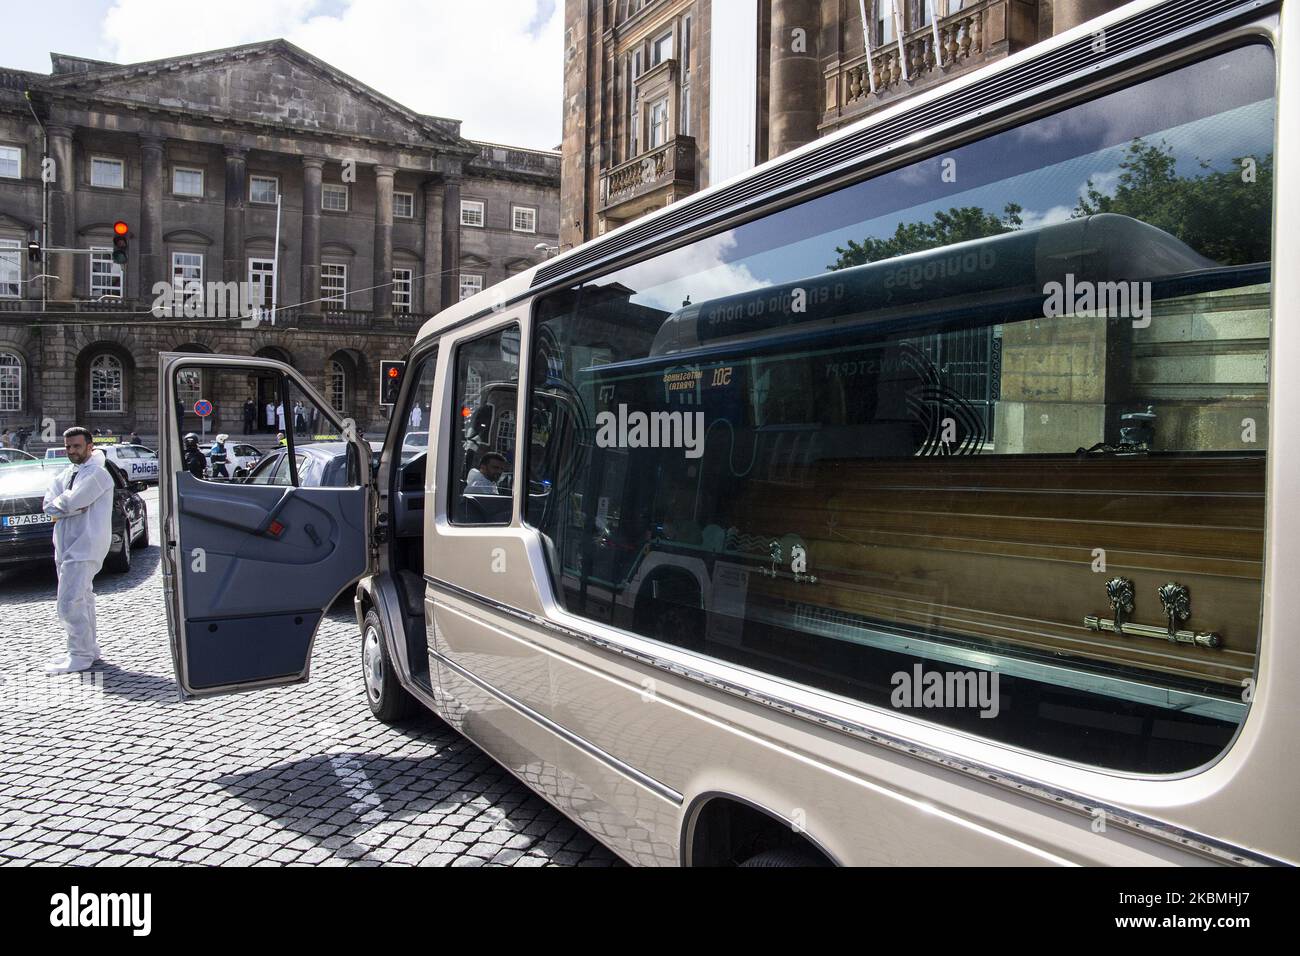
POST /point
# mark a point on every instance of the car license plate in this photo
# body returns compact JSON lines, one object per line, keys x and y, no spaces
{"x":18,"y":521}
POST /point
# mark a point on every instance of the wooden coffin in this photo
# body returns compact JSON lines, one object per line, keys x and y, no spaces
{"x":1007,"y":550}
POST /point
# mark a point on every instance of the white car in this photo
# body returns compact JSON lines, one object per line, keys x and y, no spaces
{"x":139,"y":463}
{"x":239,"y":455}
{"x":413,"y":444}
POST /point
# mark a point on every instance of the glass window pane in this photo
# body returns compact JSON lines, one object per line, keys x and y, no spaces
{"x":919,"y":427}
{"x":486,"y":389}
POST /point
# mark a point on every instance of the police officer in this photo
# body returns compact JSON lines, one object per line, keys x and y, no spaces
{"x":219,"y":457}
{"x":192,"y":457}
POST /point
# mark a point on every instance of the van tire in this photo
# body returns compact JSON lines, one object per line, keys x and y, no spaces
{"x":783,"y":857}
{"x":388,"y":699}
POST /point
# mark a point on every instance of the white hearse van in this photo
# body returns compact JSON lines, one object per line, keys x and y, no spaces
{"x":849,"y":512}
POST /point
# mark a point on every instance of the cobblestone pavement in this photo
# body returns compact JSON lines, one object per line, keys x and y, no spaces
{"x":110,"y":768}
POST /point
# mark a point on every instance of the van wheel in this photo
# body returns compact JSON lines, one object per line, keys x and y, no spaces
{"x":388,"y":699}
{"x":786,"y":856}
{"x":119,"y":561}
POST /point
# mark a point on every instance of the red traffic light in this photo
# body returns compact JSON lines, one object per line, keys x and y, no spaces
{"x":120,"y":228}
{"x":393,"y":372}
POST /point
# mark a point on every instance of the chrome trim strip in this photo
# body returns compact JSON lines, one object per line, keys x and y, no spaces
{"x":586,"y":746}
{"x":1219,"y":850}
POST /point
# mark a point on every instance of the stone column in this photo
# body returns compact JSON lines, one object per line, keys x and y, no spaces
{"x":382,"y":296}
{"x":311,"y":177}
{"x":63,"y":215}
{"x":794,"y":104}
{"x":432,"y":286}
{"x":148,"y":249}
{"x":450,"y":240}
{"x":233,"y":267}
{"x":1067,"y":14}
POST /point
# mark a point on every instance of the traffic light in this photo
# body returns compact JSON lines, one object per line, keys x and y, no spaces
{"x":33,"y":251}
{"x":120,"y":246}
{"x":390,"y":381}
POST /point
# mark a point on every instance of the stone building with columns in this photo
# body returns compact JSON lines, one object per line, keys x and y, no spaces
{"x":385,"y":217}
{"x":664,"y":97}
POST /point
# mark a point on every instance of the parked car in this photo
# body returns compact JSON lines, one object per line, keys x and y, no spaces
{"x":413,"y":444}
{"x":55,"y":453}
{"x":26,"y":532}
{"x":320,"y":465}
{"x":139,"y":463}
{"x":8,"y":455}
{"x":241,"y":457}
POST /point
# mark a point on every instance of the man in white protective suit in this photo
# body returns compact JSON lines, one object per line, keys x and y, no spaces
{"x":80,"y":501}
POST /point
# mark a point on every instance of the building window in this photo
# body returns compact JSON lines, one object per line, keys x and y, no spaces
{"x":505,"y":433}
{"x":401,"y":290}
{"x":884,"y":22}
{"x":337,"y":386}
{"x":186,"y":181}
{"x":11,"y":382}
{"x":263,"y":189}
{"x":106,"y":384}
{"x":187,"y":278}
{"x":105,"y":274}
{"x":404,"y":205}
{"x":261,"y":276}
{"x":189,"y":387}
{"x":334,"y":198}
{"x":11,"y":162}
{"x":661,"y":49}
{"x":686,"y":44}
{"x":470,"y":284}
{"x":11,"y":268}
{"x":659,"y":123}
{"x":471,"y":213}
{"x":108,"y":173}
{"x":636,"y":64}
{"x":334,"y":284}
{"x":523,"y":219}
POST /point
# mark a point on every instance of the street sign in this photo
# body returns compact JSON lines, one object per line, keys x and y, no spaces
{"x":203,"y":408}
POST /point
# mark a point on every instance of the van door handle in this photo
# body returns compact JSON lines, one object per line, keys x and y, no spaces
{"x":311,"y":533}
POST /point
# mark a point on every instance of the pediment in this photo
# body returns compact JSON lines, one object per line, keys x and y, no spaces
{"x":274,"y":84}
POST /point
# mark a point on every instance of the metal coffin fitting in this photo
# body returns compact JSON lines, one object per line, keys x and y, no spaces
{"x":1177,"y":604}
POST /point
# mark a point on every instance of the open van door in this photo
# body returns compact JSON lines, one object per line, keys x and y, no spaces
{"x":251,"y":564}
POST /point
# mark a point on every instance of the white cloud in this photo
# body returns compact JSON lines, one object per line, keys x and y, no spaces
{"x":497,"y":65}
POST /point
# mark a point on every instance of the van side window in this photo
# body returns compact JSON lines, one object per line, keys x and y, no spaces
{"x":987,"y":452}
{"x":482,"y":431}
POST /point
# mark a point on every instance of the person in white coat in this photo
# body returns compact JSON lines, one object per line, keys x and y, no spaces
{"x":80,"y":501}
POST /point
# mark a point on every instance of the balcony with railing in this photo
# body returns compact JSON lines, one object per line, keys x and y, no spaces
{"x":649,"y":180}
{"x":967,"y":39}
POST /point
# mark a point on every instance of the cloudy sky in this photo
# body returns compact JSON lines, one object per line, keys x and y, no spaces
{"x":495,"y":64}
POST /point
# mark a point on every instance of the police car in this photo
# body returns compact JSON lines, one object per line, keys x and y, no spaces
{"x":240,"y":457}
{"x":139,"y":463}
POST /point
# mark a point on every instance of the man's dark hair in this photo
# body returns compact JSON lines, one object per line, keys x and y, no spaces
{"x":493,"y":455}
{"x":77,"y":431}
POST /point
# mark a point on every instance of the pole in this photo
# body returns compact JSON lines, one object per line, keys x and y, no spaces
{"x":866,"y":43}
{"x":934,"y":29}
{"x":898,"y":35}
{"x":275,"y":259}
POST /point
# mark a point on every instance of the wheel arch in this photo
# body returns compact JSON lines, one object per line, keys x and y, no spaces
{"x":711,"y":811}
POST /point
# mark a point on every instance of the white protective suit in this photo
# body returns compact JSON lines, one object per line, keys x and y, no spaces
{"x":80,"y":501}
